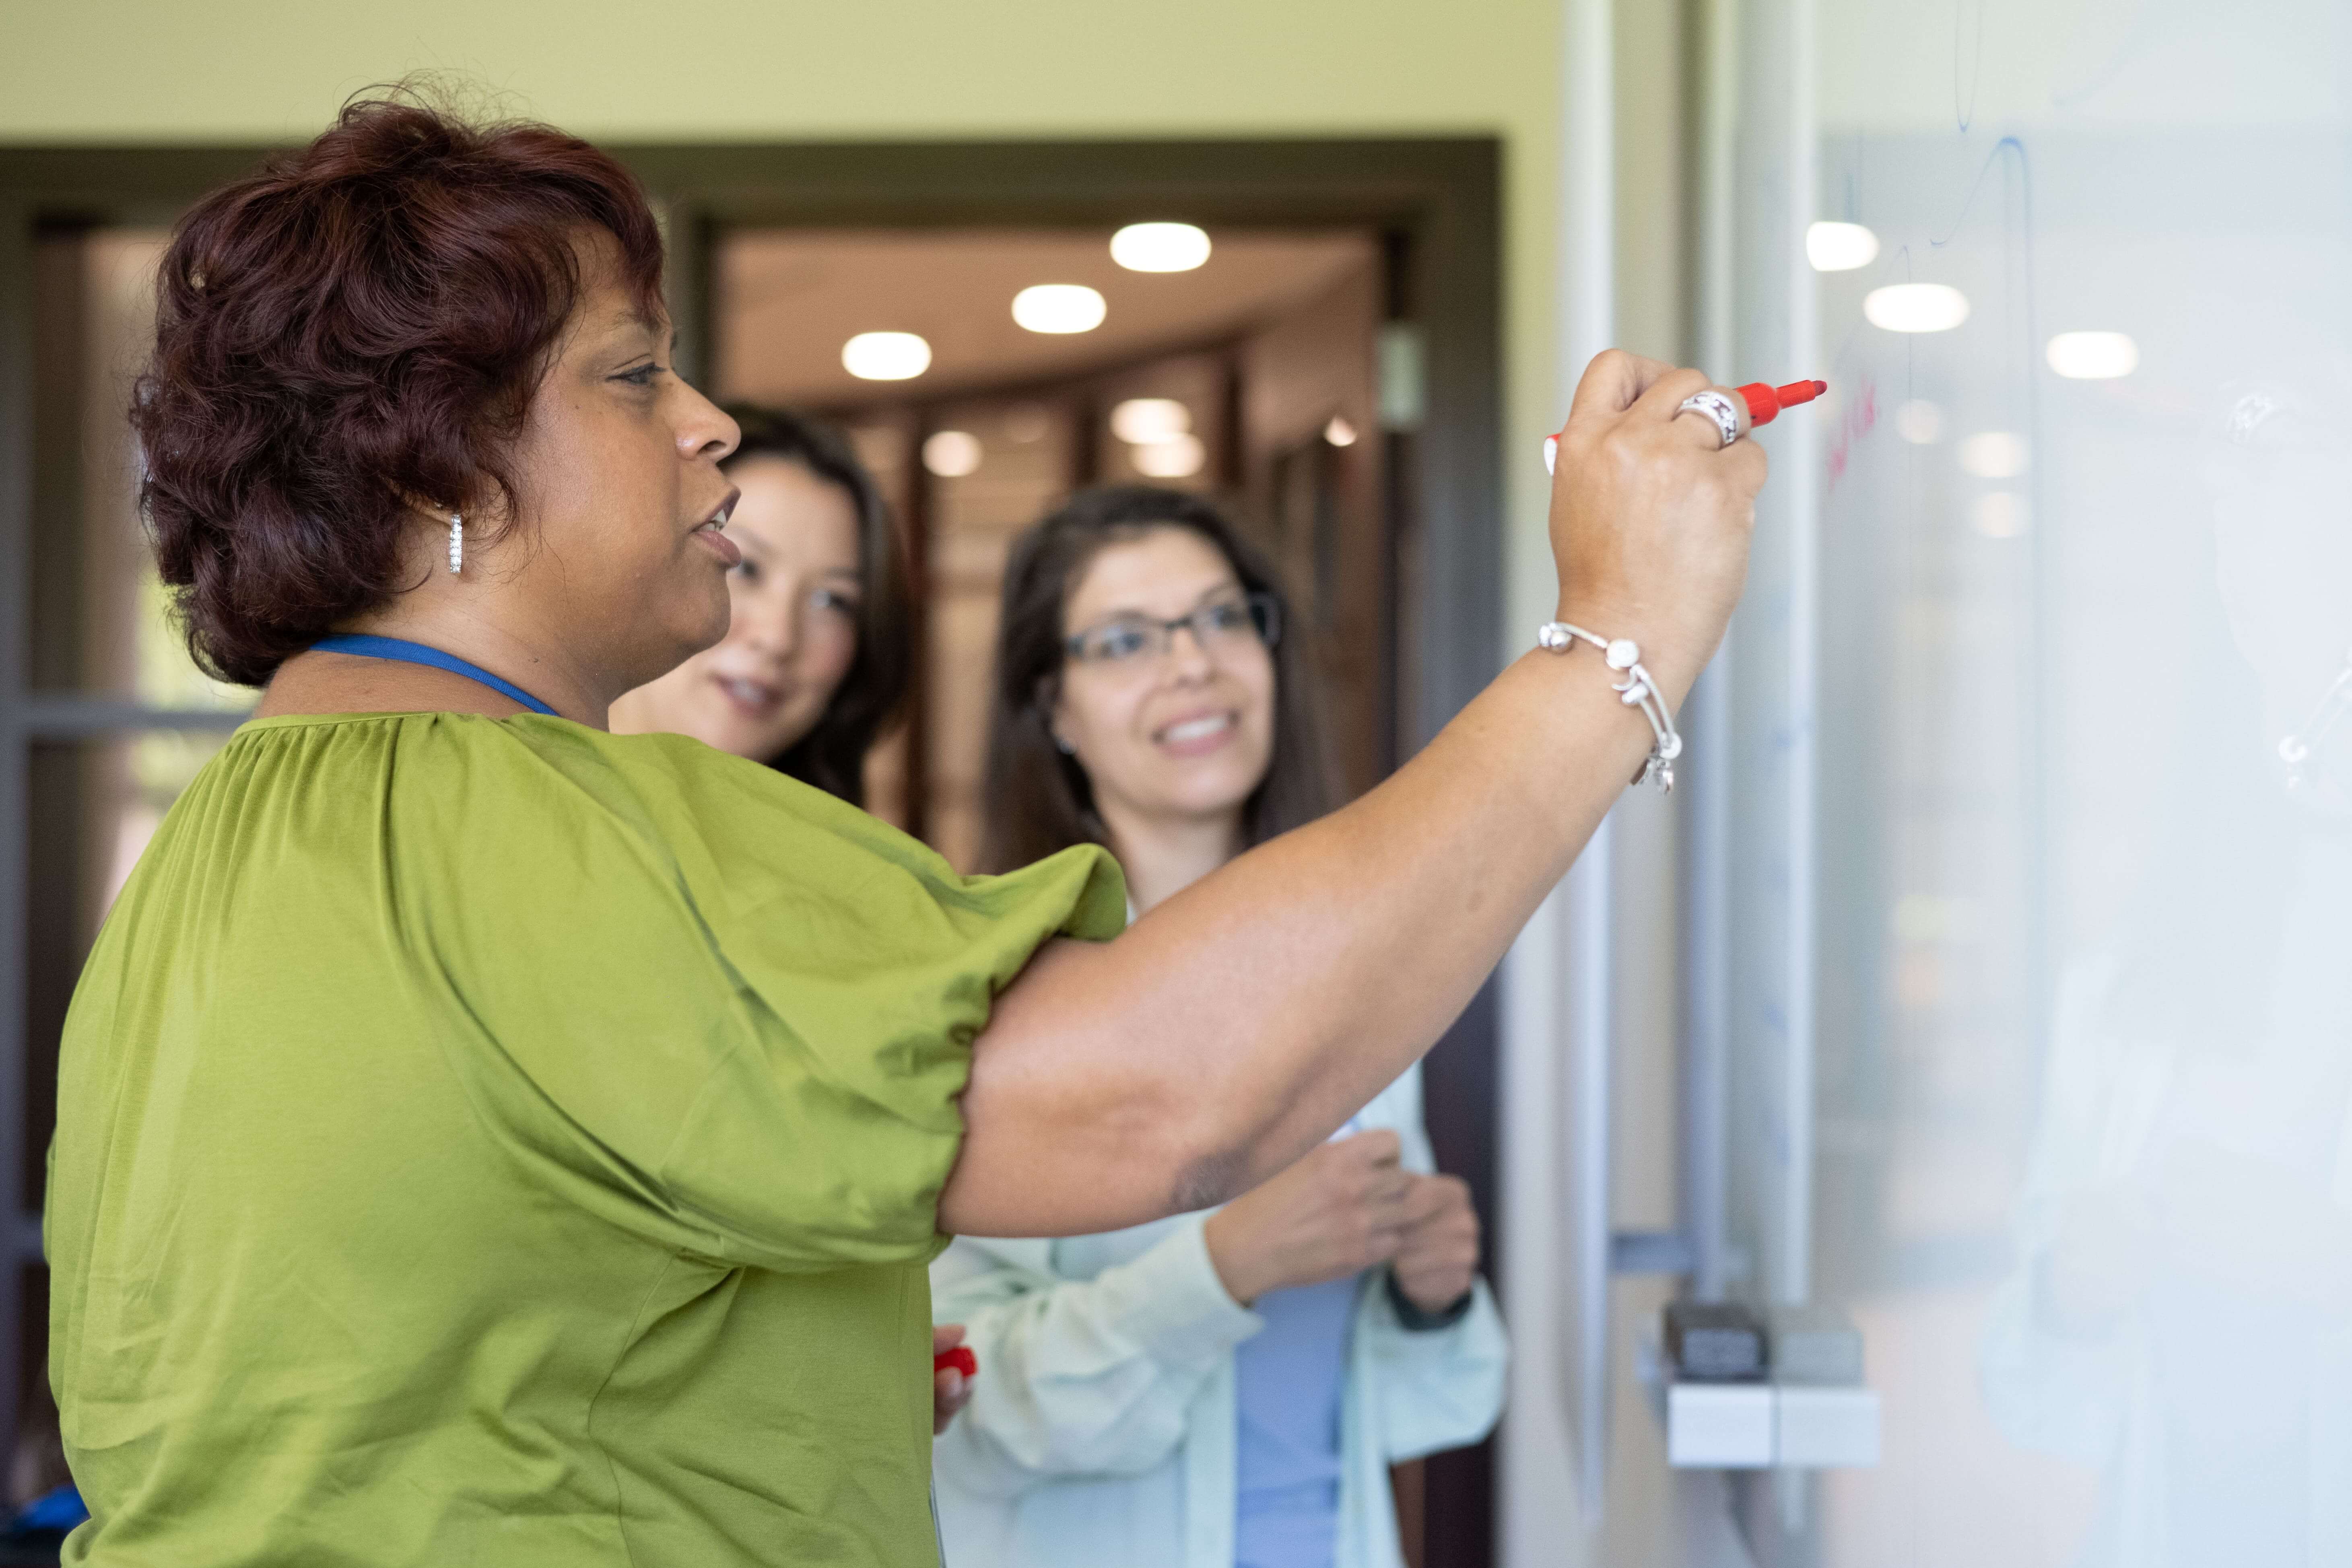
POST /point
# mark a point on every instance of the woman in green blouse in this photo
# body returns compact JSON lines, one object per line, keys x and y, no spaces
{"x":483,"y":1139}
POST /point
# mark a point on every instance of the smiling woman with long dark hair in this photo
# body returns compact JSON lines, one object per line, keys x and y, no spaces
{"x":482,"y":1137}
{"x":818,"y":649}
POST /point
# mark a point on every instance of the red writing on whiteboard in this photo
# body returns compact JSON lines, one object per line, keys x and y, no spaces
{"x":1860,"y":419}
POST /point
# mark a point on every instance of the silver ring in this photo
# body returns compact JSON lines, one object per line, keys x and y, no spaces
{"x":1715,"y":407}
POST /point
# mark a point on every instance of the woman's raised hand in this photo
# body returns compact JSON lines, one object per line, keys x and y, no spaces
{"x":1336,"y":1212}
{"x":1651,"y":515}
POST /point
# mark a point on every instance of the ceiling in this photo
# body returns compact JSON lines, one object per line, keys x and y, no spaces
{"x":789,"y":298}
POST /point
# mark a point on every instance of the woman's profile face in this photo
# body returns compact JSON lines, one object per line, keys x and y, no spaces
{"x":618,"y":559}
{"x":1185,"y":732}
{"x":791,"y":633}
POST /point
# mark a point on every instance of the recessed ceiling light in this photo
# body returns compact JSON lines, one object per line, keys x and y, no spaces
{"x":1177,"y":458}
{"x":886,"y":356}
{"x":1916,"y":307}
{"x":1139,"y":421}
{"x":1159,"y":247}
{"x":1840,"y":247}
{"x":1994,"y":454}
{"x":1059,"y":308}
{"x":951,"y":454}
{"x":2093,"y":356}
{"x":1340,"y":433}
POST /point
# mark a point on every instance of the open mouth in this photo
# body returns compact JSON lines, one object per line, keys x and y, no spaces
{"x":755,"y":698}
{"x":720,"y":513}
{"x":1201,"y":732}
{"x":712,"y":530}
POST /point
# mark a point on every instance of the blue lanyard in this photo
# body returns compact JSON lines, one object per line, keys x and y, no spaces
{"x":406,"y":652}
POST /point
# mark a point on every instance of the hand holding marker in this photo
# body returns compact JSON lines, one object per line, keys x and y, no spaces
{"x":1734,"y":413}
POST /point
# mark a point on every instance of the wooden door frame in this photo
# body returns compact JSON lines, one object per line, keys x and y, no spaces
{"x":1438,"y":200}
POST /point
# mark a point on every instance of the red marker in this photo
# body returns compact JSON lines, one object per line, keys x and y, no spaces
{"x":1764,"y":405}
{"x":960,"y":1358}
{"x":1765,"y":401}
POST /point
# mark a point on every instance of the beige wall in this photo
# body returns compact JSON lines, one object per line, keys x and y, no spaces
{"x":115,"y":69}
{"x":170,"y":71}
{"x":236,"y":70}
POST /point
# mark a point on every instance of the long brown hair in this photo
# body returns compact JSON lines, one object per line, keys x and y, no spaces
{"x":832,"y":755}
{"x":1039,"y":799}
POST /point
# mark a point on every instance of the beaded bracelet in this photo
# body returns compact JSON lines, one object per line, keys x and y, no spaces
{"x":1622,"y":655}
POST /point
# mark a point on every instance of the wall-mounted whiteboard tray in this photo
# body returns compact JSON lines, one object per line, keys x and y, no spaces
{"x":1761,"y":1426}
{"x":1768,"y":1425}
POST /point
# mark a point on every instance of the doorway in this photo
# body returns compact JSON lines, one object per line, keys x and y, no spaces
{"x":1337,"y":375}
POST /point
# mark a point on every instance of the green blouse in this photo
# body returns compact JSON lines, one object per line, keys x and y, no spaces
{"x":497,"y":1142}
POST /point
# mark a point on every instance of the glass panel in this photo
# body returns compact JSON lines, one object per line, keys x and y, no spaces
{"x":1313,"y":468}
{"x":1167,"y":423}
{"x":986,"y":491}
{"x":2061,"y":1111}
{"x":101,"y":621}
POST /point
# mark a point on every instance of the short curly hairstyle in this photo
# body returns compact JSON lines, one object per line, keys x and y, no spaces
{"x":356,"y":328}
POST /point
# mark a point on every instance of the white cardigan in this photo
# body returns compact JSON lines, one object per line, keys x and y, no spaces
{"x":1101,"y":1430}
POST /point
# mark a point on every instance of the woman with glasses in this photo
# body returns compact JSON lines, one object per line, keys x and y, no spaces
{"x":1220,"y":1389}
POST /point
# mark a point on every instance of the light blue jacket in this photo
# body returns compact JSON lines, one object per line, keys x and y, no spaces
{"x":1101,"y":1432}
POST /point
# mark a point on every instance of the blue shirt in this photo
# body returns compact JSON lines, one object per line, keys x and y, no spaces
{"x":1287,"y":1385}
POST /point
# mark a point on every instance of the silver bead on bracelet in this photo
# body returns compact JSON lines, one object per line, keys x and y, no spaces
{"x":1637,"y":691}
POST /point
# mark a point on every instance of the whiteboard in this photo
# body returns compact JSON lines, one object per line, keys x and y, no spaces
{"x":2041,"y":866}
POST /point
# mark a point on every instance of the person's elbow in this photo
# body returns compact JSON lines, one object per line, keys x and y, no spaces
{"x":1043,"y":1159}
{"x":1083,"y":1115}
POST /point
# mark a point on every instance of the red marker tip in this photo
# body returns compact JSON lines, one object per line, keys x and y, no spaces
{"x":1765,"y":401}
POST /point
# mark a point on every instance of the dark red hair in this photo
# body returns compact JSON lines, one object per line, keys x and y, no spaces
{"x":353,"y":329}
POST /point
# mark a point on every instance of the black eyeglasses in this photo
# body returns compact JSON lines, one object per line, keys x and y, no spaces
{"x":1143,"y":639}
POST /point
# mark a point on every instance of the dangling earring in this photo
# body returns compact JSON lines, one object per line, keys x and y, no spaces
{"x":1063,"y":746}
{"x":457,"y":543}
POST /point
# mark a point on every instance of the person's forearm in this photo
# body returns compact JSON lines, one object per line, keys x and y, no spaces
{"x":1269,"y":1001}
